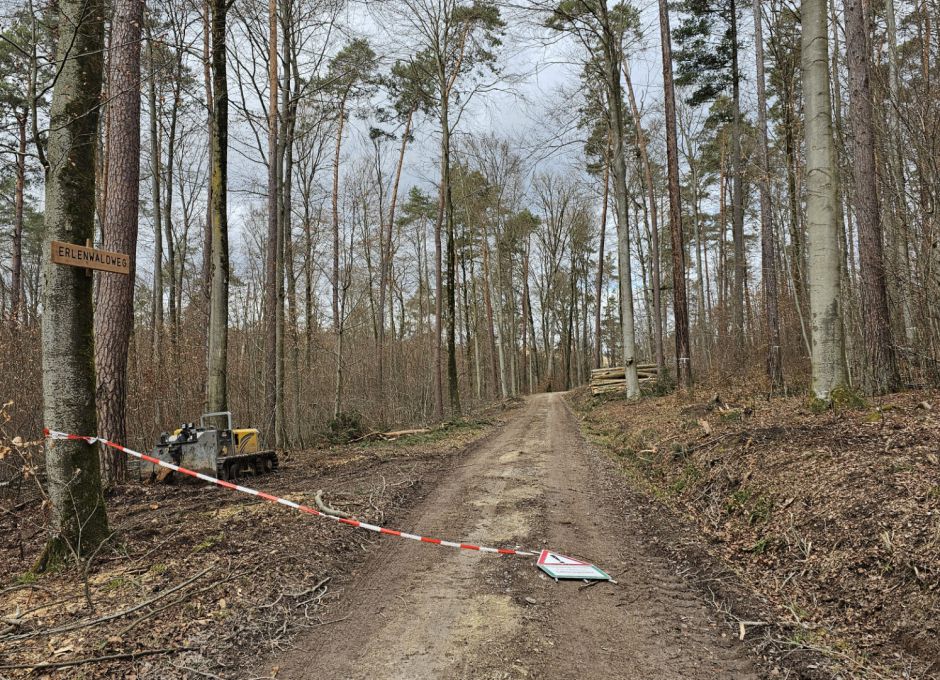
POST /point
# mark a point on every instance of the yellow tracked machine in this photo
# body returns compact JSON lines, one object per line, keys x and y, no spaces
{"x":224,"y":452}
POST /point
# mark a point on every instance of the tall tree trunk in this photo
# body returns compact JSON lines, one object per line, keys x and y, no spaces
{"x":488,"y":304}
{"x":882,"y":375}
{"x":16,"y":282}
{"x":451,"y":284}
{"x":79,"y":519}
{"x":114,"y":320}
{"x":525,"y":314}
{"x":798,"y":260}
{"x":285,"y":181}
{"x":156,"y":310}
{"x":336,"y":158}
{"x":658,"y":352}
{"x":613,"y":59}
{"x":679,"y":302}
{"x":271,"y":271}
{"x":822,"y":226}
{"x":900,"y":236}
{"x":156,"y":315}
{"x":768,"y":256}
{"x":218,"y":133}
{"x":173,"y":308}
{"x":599,"y":283}
{"x":737,"y":184}
{"x":439,"y":288}
{"x":207,"y":60}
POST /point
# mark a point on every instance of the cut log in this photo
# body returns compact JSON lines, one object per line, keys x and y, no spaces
{"x":402,"y":433}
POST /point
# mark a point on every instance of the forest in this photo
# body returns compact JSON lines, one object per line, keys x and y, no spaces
{"x":348,"y":218}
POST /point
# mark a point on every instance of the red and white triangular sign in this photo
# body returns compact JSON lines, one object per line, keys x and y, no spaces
{"x":552,"y":558}
{"x":559,"y":566}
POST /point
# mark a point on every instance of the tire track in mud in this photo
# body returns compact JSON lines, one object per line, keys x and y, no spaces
{"x":419,"y":611}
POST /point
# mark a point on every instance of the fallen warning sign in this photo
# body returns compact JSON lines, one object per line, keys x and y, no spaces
{"x":561,"y":566}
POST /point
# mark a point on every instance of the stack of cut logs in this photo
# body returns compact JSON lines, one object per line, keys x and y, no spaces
{"x":612,"y":379}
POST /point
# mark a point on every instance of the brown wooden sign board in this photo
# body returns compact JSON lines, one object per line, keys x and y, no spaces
{"x":75,"y":255}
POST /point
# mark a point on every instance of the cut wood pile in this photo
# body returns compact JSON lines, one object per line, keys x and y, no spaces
{"x":390,"y":436}
{"x":612,"y":378}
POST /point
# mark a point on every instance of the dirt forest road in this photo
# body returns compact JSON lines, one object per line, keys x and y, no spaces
{"x":423,"y":611}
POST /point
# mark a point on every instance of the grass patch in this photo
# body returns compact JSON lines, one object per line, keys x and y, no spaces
{"x":690,"y":475}
{"x":26,"y":578}
{"x":209,"y":543}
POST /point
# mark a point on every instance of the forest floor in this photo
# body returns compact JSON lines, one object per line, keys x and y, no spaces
{"x":832,"y":518}
{"x":751,"y":546}
{"x":203,"y":581}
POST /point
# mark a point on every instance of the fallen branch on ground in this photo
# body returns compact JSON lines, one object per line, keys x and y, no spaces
{"x":326,"y":509}
{"x":95,"y":659}
{"x":109,"y":617}
{"x":403,"y":433}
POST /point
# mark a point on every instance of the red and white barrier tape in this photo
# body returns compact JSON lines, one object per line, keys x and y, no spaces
{"x":53,"y":434}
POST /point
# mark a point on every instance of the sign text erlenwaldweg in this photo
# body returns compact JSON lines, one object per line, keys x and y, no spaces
{"x":90,"y":258}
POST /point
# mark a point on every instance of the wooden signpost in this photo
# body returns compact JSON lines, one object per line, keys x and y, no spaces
{"x":89,"y":258}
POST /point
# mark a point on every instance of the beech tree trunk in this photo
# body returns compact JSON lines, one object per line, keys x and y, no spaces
{"x":822,"y":224}
{"x":79,"y":520}
{"x":114,"y":309}
{"x":618,"y":171}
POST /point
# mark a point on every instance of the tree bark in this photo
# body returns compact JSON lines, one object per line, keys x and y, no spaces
{"x":451,"y":283}
{"x":114,"y":317}
{"x":658,"y":352}
{"x":68,"y":376}
{"x":679,"y":302}
{"x":737,"y":185}
{"x":822,"y":226}
{"x":612,"y":61}
{"x":172,"y":307}
{"x":882,"y":370}
{"x":768,"y":256}
{"x":16,"y":281}
{"x":341,"y":123}
{"x":273,"y":245}
{"x":156,"y":317}
{"x":599,"y":283}
{"x":219,"y":275}
{"x":387,"y":252}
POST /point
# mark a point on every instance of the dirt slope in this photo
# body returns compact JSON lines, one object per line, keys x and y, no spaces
{"x":420,"y":611}
{"x":833,"y":516}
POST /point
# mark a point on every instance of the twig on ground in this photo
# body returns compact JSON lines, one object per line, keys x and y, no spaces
{"x":711,"y":441}
{"x":326,"y":623}
{"x":110,"y":617}
{"x":179,"y":600}
{"x":205,"y":674}
{"x":95,"y":659}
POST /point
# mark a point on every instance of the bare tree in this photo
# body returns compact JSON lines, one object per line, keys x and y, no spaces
{"x":882,"y":369}
{"x":114,"y":308}
{"x":217,"y":392}
{"x":822,"y":225}
{"x":68,"y":376}
{"x":680,"y":305}
{"x":768,"y":256}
